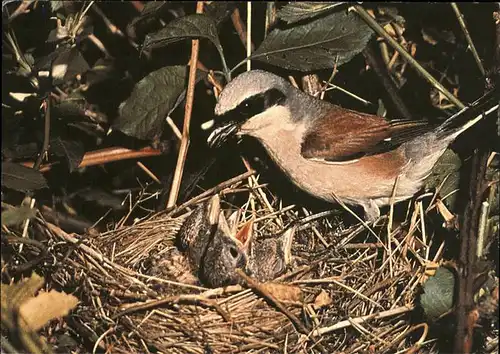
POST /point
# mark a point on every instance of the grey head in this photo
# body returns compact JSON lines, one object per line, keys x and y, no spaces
{"x":248,"y":95}
{"x":214,"y":254}
{"x":253,"y":93}
{"x":248,"y":85}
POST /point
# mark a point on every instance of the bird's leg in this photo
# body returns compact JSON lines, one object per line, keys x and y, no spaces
{"x":372,"y":211}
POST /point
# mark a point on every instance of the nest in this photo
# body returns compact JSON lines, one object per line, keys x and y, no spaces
{"x":347,"y":290}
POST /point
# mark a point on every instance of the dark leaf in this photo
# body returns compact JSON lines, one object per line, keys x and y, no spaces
{"x":20,"y":151}
{"x":67,"y":65}
{"x":447,"y":167}
{"x":152,"y":100}
{"x":21,"y":178}
{"x":73,"y":151}
{"x":56,"y":5}
{"x":319,"y":44}
{"x":150,"y":10}
{"x":152,"y":7}
{"x":101,"y":197}
{"x":103,"y":69}
{"x":437,"y":298}
{"x":191,"y":26}
{"x":220,"y":10}
{"x":15,"y":216}
{"x":298,"y":11}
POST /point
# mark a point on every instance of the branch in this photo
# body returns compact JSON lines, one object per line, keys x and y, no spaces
{"x":179,"y":168}
{"x":424,"y":73}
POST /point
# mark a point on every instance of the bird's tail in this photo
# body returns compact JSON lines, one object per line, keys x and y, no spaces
{"x":470,"y":115}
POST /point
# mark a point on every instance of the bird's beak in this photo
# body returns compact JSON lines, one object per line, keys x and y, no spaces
{"x":246,"y":235}
{"x":222,"y":133}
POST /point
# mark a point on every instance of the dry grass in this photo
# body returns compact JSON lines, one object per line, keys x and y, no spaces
{"x":369,"y":279}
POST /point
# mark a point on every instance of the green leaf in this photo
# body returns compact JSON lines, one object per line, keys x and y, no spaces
{"x":302,"y":10}
{"x":152,"y":100}
{"x":191,"y":26}
{"x":437,"y":298}
{"x":319,"y":44}
{"x":21,"y":178}
{"x":15,"y":216}
{"x":219,"y":11}
{"x":73,"y":151}
{"x":151,"y":9}
{"x":448,"y":167}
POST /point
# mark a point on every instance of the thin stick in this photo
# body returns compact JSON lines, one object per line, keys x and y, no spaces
{"x":386,"y":81}
{"x":214,"y":190}
{"x":179,"y":168}
{"x":103,"y":156}
{"x":46,"y":136}
{"x":275,"y":302}
{"x":348,"y":323}
{"x":424,"y":73}
{"x":270,"y":16}
{"x":148,"y":172}
{"x":249,"y":34}
{"x":472,"y":48}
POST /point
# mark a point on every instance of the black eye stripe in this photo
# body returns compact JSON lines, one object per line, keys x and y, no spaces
{"x":258,"y":103}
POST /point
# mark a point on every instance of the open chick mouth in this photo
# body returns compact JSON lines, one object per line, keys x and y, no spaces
{"x":222,"y":133}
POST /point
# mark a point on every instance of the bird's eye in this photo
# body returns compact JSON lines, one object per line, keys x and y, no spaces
{"x":234,"y":252}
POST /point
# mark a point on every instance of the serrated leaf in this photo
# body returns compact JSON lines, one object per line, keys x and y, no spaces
{"x":15,"y":216}
{"x":191,"y":26}
{"x":302,"y":10}
{"x":152,"y":7}
{"x":73,"y":151}
{"x":437,"y":298}
{"x":448,"y":167}
{"x":319,"y":44}
{"x":102,"y":198}
{"x":150,"y":10}
{"x":152,"y":100}
{"x":21,"y":178}
{"x":68,"y":65}
{"x":220,"y":10}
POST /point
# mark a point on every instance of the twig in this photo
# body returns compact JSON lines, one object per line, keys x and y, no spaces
{"x":270,"y":16}
{"x":103,"y":156}
{"x":148,"y":172}
{"x":179,"y":168}
{"x":467,"y":258}
{"x":195,"y":299}
{"x":46,"y":135}
{"x":21,"y":9}
{"x":100,"y":339}
{"x":424,"y":73}
{"x":385,"y":79}
{"x":463,"y":26}
{"x":275,"y":302}
{"x":211,"y":191}
{"x":27,"y":241}
{"x":376,"y":316}
{"x":249,"y":34}
{"x":112,"y":28}
{"x":240,"y":28}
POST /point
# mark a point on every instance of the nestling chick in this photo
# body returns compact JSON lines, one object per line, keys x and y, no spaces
{"x":335,"y":153}
{"x":213,"y":253}
{"x":207,"y":253}
{"x":269,"y":256}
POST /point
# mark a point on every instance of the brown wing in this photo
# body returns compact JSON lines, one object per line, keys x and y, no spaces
{"x":344,"y":135}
